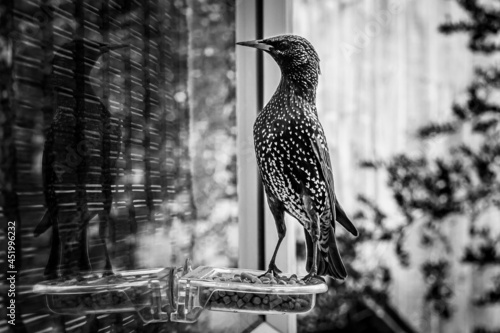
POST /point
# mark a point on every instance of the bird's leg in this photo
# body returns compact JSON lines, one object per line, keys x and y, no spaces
{"x":103,"y":223}
{"x":281,"y":234}
{"x":105,"y":216}
{"x":313,"y":273}
{"x":69,"y":232}
{"x":51,"y":270}
{"x":279,"y":218}
{"x":313,"y":227}
{"x":91,"y":324}
{"x":84,"y":259}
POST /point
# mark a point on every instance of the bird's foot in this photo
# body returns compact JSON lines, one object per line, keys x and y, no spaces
{"x":272,"y":271}
{"x":68,"y":278}
{"x":313,"y":276}
{"x":108,"y":272}
{"x":51,"y":275}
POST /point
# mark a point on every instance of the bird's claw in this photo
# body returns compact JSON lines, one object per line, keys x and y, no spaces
{"x":313,"y":276}
{"x":272,"y":270}
{"x":108,"y":273}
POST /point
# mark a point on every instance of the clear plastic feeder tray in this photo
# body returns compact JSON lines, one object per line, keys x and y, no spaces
{"x":148,"y":292}
{"x":180,"y":295}
{"x":223,"y":289}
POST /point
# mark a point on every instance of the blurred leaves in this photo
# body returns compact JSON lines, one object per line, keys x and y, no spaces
{"x":461,"y":181}
{"x":464,"y":180}
{"x":485,"y":250}
{"x":430,"y":187}
{"x":485,"y":330}
{"x":482,"y":27}
{"x":204,"y":136}
{"x":432,"y":130}
{"x":439,"y":291}
{"x":491,"y":296}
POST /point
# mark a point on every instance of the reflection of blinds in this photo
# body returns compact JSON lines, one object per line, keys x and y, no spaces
{"x":115,"y":137}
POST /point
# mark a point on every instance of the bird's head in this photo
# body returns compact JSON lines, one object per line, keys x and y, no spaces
{"x":91,"y":51}
{"x":295,"y":56}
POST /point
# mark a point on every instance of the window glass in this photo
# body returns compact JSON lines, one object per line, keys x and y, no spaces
{"x":118,"y":130}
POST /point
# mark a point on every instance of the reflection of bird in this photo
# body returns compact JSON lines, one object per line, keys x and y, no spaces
{"x":293,"y":157}
{"x":80,"y":152}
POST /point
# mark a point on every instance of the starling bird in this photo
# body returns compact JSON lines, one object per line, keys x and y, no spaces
{"x":81,"y":149}
{"x":293,"y":159}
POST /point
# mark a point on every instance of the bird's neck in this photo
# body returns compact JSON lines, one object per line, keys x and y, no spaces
{"x":298,"y":86}
{"x":84,"y":77}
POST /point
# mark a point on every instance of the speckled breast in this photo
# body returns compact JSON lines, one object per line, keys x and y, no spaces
{"x":286,"y":159}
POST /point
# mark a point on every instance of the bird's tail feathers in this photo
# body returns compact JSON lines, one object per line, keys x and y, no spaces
{"x":309,"y":251}
{"x":342,"y":218}
{"x":329,"y":263}
{"x":332,"y":260}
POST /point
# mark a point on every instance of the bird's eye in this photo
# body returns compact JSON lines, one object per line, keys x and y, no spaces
{"x":284,"y":44}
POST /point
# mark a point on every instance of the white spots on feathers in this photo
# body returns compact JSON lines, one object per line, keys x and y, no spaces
{"x":285,"y":156}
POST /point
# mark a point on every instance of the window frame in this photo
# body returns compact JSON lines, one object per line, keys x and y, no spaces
{"x":257,"y":79}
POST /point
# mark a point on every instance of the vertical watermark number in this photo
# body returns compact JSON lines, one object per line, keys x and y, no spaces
{"x":11,"y":272}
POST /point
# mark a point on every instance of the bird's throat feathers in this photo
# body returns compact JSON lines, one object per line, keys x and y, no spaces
{"x":301,"y":82}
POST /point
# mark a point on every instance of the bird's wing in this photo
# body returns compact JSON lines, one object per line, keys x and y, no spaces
{"x":337,"y":212}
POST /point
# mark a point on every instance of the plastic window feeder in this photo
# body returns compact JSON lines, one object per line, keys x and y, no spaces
{"x":177,"y":294}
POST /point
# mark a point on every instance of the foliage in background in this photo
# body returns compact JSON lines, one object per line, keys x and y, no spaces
{"x":462,"y":182}
{"x":201,"y":156}
{"x":204,"y":212}
{"x":337,"y":309}
{"x":212,"y":99}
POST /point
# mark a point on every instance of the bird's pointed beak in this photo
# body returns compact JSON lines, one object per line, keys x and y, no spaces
{"x":109,"y":47}
{"x":258,"y":44}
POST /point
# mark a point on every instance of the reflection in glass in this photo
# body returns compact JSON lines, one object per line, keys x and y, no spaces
{"x":128,"y":154}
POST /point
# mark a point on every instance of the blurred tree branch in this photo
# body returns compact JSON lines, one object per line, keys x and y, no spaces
{"x":465,"y":180}
{"x":461,"y":182}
